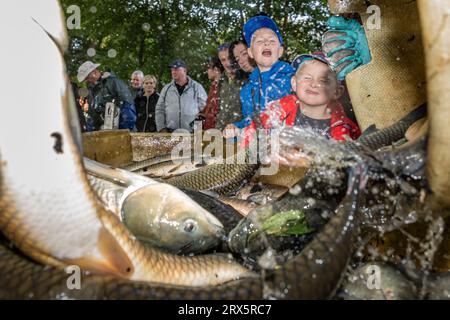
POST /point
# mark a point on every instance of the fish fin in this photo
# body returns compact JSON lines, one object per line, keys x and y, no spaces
{"x":210,"y":193}
{"x":113,"y":259}
{"x":174,"y":168}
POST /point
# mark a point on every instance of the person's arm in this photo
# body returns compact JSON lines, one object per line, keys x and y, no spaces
{"x":201,"y":97}
{"x":247,"y":109}
{"x":122,"y":92}
{"x":160,"y":111}
{"x":127,"y":118}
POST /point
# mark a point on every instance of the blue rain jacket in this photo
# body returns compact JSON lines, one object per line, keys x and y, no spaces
{"x":263,"y":88}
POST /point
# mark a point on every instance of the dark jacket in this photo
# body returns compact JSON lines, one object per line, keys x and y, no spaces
{"x":136,"y":92}
{"x":107,"y":89}
{"x":230,"y":109}
{"x":145,"y":108}
{"x":212,"y":107}
{"x":263,"y":88}
{"x":80,"y":112}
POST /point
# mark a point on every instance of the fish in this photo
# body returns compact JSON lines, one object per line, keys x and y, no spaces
{"x":439,"y":286}
{"x":110,"y":193}
{"x":312,"y":274}
{"x":261,"y":193}
{"x":161,"y":216}
{"x":226,"y":214}
{"x":249,"y":239}
{"x":220,"y":178}
{"x":244,"y":207}
{"x":170,"y":220}
{"x":140,"y":165}
{"x":46,"y":282}
{"x":167,"y":170}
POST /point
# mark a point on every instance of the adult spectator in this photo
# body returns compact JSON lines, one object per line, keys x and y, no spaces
{"x":224,"y":57}
{"x":240,"y":59}
{"x":137,"y":79}
{"x":146,"y":104}
{"x":180,"y":100}
{"x":209,"y":114}
{"x":103,"y":88}
{"x":230,"y":109}
{"x":78,"y":106}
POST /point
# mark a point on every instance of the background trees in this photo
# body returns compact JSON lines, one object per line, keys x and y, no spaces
{"x":125,"y":35}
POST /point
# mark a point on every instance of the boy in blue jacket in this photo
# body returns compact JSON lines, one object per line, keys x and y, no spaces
{"x":270,"y":80}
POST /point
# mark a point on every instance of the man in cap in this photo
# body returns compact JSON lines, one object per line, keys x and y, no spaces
{"x":103,"y":88}
{"x":180,"y":100}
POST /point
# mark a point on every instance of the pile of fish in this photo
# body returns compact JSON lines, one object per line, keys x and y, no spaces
{"x":309,"y":204}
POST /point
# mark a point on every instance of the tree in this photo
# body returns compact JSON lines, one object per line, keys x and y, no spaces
{"x":126,"y":35}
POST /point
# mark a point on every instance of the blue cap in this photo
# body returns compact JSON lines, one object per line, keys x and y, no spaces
{"x":257,"y":23}
{"x":318,"y":55}
{"x":178,"y":63}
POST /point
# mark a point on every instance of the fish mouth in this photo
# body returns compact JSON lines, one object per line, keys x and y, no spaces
{"x":200,"y":245}
{"x":222,"y":235}
{"x":267,"y":53}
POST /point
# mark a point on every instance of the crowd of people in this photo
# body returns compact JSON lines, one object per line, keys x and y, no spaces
{"x":250,"y":88}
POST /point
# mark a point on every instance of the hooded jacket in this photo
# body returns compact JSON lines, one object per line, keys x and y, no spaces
{"x":107,"y":89}
{"x":263,"y":88}
{"x":174,"y":111}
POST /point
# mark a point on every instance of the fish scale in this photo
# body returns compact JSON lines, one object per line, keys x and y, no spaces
{"x":220,"y":178}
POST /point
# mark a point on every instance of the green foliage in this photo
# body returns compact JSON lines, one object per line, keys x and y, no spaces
{"x":148,"y":34}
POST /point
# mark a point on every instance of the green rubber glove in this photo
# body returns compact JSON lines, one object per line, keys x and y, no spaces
{"x":345,"y":44}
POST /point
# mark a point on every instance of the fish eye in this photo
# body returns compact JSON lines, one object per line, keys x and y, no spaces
{"x":189,"y":225}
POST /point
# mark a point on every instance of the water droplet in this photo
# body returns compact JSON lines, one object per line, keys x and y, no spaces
{"x":83,"y":92}
{"x":93,"y":9}
{"x":146,"y":26}
{"x":91,"y":52}
{"x":112,"y":53}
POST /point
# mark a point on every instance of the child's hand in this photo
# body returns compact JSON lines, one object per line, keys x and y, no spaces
{"x":230,"y":131}
{"x":292,"y":157}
